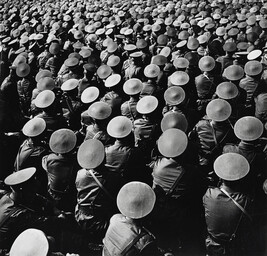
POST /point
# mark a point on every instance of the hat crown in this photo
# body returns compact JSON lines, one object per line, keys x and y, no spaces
{"x":119,"y":127}
{"x":172,"y":142}
{"x":231,"y":166}
{"x":248,"y":128}
{"x":174,"y":120}
{"x":62,"y":141}
{"x":136,"y":200}
{"x":218,"y":110}
{"x":99,"y":110}
{"x":91,"y":154}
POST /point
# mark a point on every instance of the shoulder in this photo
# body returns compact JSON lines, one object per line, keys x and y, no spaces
{"x":212,"y":192}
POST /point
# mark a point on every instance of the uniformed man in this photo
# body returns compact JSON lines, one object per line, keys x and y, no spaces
{"x":131,"y":87}
{"x":97,"y":189}
{"x":60,"y":168}
{"x":125,"y":234}
{"x":229,"y":204}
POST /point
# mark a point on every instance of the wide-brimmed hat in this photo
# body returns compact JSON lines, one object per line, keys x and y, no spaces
{"x":254,"y":54}
{"x":46,"y":83}
{"x":44,"y":99}
{"x":90,"y":94}
{"x":233,"y":72}
{"x":91,"y":154}
{"x":43,"y":73}
{"x":218,"y":110}
{"x":151,"y":71}
{"x":174,"y":95}
{"x":206,"y":63}
{"x":147,"y":104}
{"x":113,"y":80}
{"x":136,"y":200}
{"x":192,"y":44}
{"x":231,"y":166}
{"x":62,"y":141}
{"x":130,"y":47}
{"x":104,"y":71}
{"x":23,"y":69}
{"x":159,"y":60}
{"x":227,"y":90}
{"x":248,"y":128}
{"x":172,"y":142}
{"x":34,"y":127}
{"x":112,"y":47}
{"x":181,"y":63}
{"x":253,"y":68}
{"x":113,"y":60}
{"x":30,"y":242}
{"x":133,"y":86}
{"x":71,"y":62}
{"x":99,"y":110}
{"x":54,"y":48}
{"x":70,"y":84}
{"x":17,"y":178}
{"x":119,"y":127}
{"x":20,"y":59}
{"x":179,"y":78}
{"x":174,"y":119}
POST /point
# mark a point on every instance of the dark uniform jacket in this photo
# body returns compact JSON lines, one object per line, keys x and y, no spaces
{"x":128,"y":109}
{"x":93,"y":131}
{"x":94,"y":207}
{"x":224,"y":220}
{"x":14,"y":219}
{"x":125,"y":237}
{"x":210,"y":139}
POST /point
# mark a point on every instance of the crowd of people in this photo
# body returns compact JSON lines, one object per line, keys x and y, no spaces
{"x":133,"y":127}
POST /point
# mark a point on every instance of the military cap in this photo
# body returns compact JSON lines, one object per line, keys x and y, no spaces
{"x":151,"y":71}
{"x":179,"y":78}
{"x":133,"y":86}
{"x":229,"y":47}
{"x":70,"y":84}
{"x":30,"y":242}
{"x":62,"y":141}
{"x":91,"y":154}
{"x":113,"y":80}
{"x":172,"y":143}
{"x":147,"y":105}
{"x":181,"y":62}
{"x":253,"y":55}
{"x":45,"y":83}
{"x":253,"y":68}
{"x":218,"y":110}
{"x":174,"y":95}
{"x":21,"y":177}
{"x":248,"y":128}
{"x":159,"y":60}
{"x":192,"y":44}
{"x":34,"y":127}
{"x":44,"y":99}
{"x":206,"y":63}
{"x":104,"y":71}
{"x":90,"y":94}
{"x":234,"y":72}
{"x":136,"y":200}
{"x":119,"y":127}
{"x":99,"y":110}
{"x":231,"y":166}
{"x":162,"y":40}
{"x":173,"y":119}
{"x":227,"y":90}
{"x":23,"y":69}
